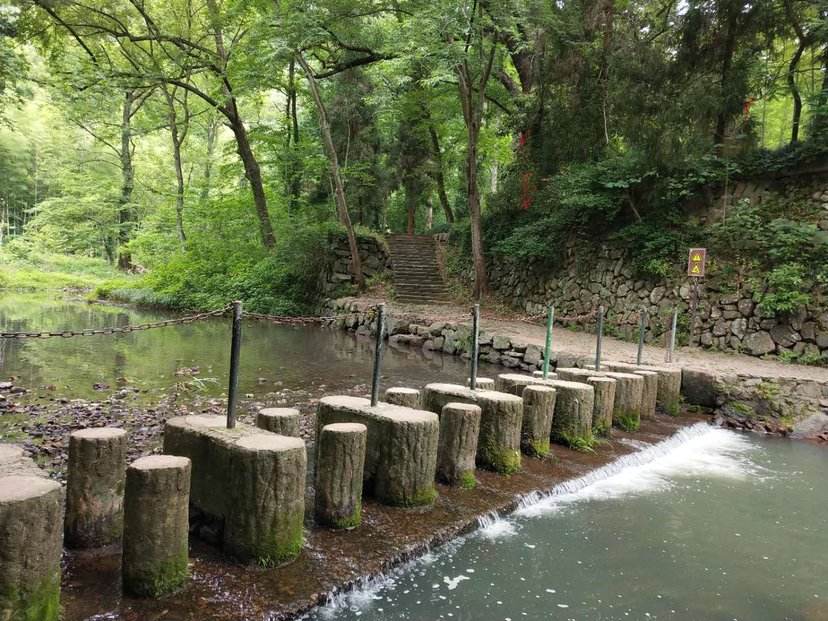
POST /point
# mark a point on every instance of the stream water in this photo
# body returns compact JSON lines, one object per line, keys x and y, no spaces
{"x":195,"y":355}
{"x":709,"y":525}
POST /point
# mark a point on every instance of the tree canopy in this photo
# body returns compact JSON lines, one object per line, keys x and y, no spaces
{"x":207,"y":140}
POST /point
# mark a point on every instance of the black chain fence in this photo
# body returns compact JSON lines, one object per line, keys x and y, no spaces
{"x":220,"y":312}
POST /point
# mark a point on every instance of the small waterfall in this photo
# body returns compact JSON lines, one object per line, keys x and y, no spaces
{"x":492,"y":525}
{"x":698,"y":450}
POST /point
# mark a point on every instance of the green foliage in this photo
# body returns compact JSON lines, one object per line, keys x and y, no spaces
{"x":210,"y":272}
{"x":584,"y":444}
{"x":786,"y":291}
{"x":627,"y":422}
{"x":468,"y":480}
{"x":24,"y":267}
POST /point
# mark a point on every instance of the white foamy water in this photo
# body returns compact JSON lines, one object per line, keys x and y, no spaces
{"x":493,"y":526}
{"x":700,"y":451}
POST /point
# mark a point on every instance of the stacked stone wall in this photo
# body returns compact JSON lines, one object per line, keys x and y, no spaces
{"x":728,"y":317}
{"x":373,"y":253}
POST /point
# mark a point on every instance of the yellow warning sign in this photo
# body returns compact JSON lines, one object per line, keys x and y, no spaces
{"x":696,"y":262}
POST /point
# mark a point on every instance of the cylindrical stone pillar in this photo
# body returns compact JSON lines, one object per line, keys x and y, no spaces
{"x":284,"y":421}
{"x":498,"y":447}
{"x":156,"y":525}
{"x":572,"y":422}
{"x":669,"y":390}
{"x":604,"y":397}
{"x":483,"y":383}
{"x":406,"y":397}
{"x":459,"y":431}
{"x":95,"y":487}
{"x":514,"y":383}
{"x":629,"y":391}
{"x":266,"y":496}
{"x":340,"y":462}
{"x":31,"y":533}
{"x":649,"y":393}
{"x":538,"y":410}
{"x":604,"y":388}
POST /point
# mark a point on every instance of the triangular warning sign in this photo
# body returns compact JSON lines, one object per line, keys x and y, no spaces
{"x":697,"y":257}
{"x":696,"y":270}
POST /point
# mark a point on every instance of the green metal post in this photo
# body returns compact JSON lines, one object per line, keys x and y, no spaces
{"x":547,"y":348}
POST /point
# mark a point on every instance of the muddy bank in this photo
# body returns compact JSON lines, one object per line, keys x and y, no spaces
{"x":225,"y":591}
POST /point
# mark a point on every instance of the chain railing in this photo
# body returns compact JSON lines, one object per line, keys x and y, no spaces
{"x":116,"y":329}
{"x":219,"y":312}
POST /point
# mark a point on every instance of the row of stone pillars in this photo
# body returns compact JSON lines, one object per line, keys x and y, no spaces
{"x":252,"y":479}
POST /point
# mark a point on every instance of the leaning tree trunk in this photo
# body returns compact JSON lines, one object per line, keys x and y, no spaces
{"x":231,"y":111}
{"x":339,"y":188}
{"x":254,"y":176}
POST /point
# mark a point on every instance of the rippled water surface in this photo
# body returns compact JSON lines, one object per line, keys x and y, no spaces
{"x":709,"y":525}
{"x":196,"y":355}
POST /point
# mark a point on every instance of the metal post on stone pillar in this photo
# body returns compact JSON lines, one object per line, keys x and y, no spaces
{"x":235,"y":351}
{"x":547,"y":348}
{"x":642,"y":325}
{"x":475,"y":352}
{"x":671,"y":345}
{"x":599,"y":336}
{"x":380,"y":335}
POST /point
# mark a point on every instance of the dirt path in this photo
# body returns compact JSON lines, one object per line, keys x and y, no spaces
{"x":583,"y":344}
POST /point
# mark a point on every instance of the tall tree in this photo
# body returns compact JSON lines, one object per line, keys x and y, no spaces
{"x":336,"y":173}
{"x":179,"y":127}
{"x":473,"y":68}
{"x":166,"y":44}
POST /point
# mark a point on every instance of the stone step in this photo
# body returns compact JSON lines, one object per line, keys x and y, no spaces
{"x":416,"y":272}
{"x":403,"y":275}
{"x":420,"y":284}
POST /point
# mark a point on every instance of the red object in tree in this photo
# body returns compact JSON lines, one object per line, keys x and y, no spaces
{"x":526,"y":190}
{"x":522,"y":140}
{"x":747,"y":105}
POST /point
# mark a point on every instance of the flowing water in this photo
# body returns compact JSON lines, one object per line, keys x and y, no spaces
{"x":709,"y":525}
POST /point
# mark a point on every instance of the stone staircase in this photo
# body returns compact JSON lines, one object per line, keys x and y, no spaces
{"x":417,"y":277}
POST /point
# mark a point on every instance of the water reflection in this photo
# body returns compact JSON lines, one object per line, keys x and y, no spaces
{"x":273,"y":356}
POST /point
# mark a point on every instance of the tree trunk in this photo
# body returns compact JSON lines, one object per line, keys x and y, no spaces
{"x":727,"y":62}
{"x":411,"y":208}
{"x":333,"y":160}
{"x":481,"y":284}
{"x":437,"y":173}
{"x":797,"y":98}
{"x":820,"y":122}
{"x":254,"y":176}
{"x":802,"y":43}
{"x":127,"y":181}
{"x":294,"y":164}
{"x":177,"y":140}
{"x":212,"y":131}
{"x":231,"y":111}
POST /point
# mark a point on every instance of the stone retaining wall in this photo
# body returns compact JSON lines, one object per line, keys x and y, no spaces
{"x":728,"y":317}
{"x":372,"y":252}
